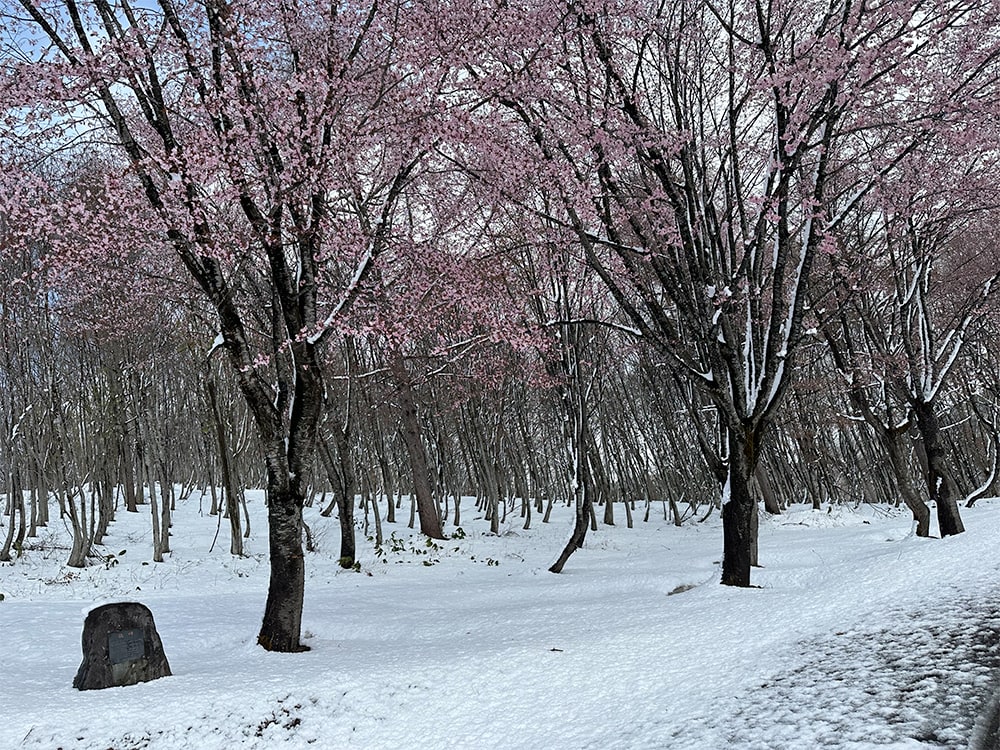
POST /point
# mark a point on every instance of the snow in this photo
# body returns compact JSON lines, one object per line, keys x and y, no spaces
{"x":861,"y":635}
{"x":217,"y":343}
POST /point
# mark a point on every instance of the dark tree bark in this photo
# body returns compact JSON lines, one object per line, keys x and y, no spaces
{"x":229,"y":485}
{"x":582,"y":512}
{"x":416,"y":451}
{"x":889,"y":439}
{"x":282,"y":624}
{"x":578,"y":442}
{"x":940,"y":486}
{"x":763,"y":481}
{"x":739,"y":509}
{"x":13,"y":493}
{"x":342,"y":476}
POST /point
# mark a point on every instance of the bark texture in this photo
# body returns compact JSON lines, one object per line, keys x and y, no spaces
{"x":739,"y":509}
{"x":282,"y":624}
{"x":940,"y":486}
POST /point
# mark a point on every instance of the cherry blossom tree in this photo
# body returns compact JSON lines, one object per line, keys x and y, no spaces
{"x":264,"y":147}
{"x":943,"y":279}
{"x":909,"y":293}
{"x":705,"y":154}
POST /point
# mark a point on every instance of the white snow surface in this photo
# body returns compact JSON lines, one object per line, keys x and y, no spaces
{"x":860,"y":635}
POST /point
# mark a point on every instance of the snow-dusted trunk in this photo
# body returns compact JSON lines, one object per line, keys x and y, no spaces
{"x":939,"y":483}
{"x":290,"y":450}
{"x":581,"y":480}
{"x":282,"y":623}
{"x":583,"y":509}
{"x":577,"y":436}
{"x":583,"y":506}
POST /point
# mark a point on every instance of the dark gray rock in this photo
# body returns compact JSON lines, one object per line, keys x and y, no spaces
{"x":120,"y":647}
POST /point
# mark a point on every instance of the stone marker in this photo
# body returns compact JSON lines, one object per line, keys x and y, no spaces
{"x":120,"y":647}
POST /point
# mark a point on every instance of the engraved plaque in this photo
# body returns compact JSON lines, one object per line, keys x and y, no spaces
{"x":126,"y":645}
{"x":120,"y":647}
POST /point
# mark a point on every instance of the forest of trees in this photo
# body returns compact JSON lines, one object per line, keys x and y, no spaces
{"x":674,"y":257}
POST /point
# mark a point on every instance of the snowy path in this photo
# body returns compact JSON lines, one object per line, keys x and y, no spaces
{"x":920,"y":682}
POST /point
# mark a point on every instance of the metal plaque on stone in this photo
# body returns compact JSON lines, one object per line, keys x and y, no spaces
{"x":126,"y":645}
{"x":120,"y":647}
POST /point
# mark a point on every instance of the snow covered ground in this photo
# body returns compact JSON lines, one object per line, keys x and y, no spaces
{"x":860,"y":636}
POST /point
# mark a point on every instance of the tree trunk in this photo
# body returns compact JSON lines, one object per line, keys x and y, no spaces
{"x":228,"y":484}
{"x":33,"y":513}
{"x":889,"y":440}
{"x":281,"y":627}
{"x":42,"y":490}
{"x":582,"y":513}
{"x":583,"y":487}
{"x":126,"y":455}
{"x":674,"y":511}
{"x":771,"y":504}
{"x":105,"y":508}
{"x":78,"y":520}
{"x":342,"y":478}
{"x":345,"y":512}
{"x":12,"y":490}
{"x":939,"y":483}
{"x":430,"y":520}
{"x":155,"y":515}
{"x":166,"y":490}
{"x":738,"y":510}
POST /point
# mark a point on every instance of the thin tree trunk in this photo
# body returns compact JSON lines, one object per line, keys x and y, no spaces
{"x":155,"y":516}
{"x":166,"y":494}
{"x":12,"y":490}
{"x":78,"y":520}
{"x":582,"y":484}
{"x":430,"y":520}
{"x":225,"y":464}
{"x":343,"y":482}
{"x":582,"y":512}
